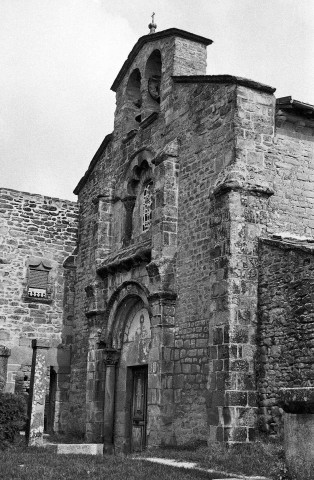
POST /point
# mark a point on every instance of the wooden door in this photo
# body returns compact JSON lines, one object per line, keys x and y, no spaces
{"x":139,"y":408}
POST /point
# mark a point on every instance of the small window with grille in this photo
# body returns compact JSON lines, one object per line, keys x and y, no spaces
{"x":38,"y":278}
{"x":37,"y":283}
{"x":147,"y":207}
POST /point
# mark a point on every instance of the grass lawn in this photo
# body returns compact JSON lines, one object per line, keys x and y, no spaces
{"x":38,"y":463}
{"x":256,"y":459}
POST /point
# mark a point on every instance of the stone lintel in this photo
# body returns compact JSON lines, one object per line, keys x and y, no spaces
{"x":40,"y":343}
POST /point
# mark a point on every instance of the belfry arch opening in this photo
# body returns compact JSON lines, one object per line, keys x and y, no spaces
{"x":153,"y":80}
{"x":133,"y":100}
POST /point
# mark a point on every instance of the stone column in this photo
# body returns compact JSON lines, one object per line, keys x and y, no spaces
{"x":129,"y":203}
{"x":36,"y":405}
{"x":111,"y":359}
{"x":4,"y":355}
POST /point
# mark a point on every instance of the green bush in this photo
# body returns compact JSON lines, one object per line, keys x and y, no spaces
{"x":12,"y":417}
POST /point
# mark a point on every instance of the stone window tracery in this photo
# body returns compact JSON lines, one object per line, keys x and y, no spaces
{"x":137,"y":198}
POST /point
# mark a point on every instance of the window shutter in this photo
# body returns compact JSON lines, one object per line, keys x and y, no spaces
{"x":37,"y":283}
{"x":38,"y":279}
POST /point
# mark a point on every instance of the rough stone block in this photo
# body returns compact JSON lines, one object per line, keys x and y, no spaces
{"x":80,"y":449}
{"x":235,"y":398}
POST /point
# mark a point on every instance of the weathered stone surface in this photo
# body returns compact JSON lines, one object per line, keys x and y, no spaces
{"x":215,"y":161}
{"x":36,"y":401}
{"x":286,"y":339}
{"x":80,"y":448}
{"x":4,"y":354}
{"x":299,"y":443}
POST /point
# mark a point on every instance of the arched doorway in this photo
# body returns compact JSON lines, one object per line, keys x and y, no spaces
{"x":132,"y":378}
{"x":126,"y":391}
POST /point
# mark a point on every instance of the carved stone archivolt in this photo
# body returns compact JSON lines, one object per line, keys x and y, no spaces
{"x":128,"y":294}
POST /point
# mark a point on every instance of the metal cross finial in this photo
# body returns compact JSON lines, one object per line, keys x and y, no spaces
{"x":152,"y":26}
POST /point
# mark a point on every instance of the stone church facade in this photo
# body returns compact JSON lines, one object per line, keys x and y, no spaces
{"x":181,"y":305}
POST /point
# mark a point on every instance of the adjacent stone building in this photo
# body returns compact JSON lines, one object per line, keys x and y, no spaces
{"x":37,"y":234}
{"x":180,"y":272}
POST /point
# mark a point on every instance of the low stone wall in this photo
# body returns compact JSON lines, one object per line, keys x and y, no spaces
{"x":286,"y":323}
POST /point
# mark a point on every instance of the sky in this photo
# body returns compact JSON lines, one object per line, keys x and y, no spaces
{"x":59,"y":58}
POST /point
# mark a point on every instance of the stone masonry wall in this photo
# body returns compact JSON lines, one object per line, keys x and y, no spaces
{"x":234,"y":175}
{"x":33,"y":226}
{"x":204,"y":116}
{"x":286,"y":324}
{"x":101,"y":215}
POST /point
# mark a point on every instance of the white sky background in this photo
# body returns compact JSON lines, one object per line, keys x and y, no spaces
{"x":58,"y":59}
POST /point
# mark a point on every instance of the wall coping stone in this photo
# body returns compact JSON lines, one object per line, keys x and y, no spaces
{"x":286,"y":243}
{"x":301,"y":108}
{"x":224,"y":79}
{"x":37,"y":195}
{"x":93,"y":162}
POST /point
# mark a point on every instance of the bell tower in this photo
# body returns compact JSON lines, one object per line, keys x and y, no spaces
{"x":144,"y":84}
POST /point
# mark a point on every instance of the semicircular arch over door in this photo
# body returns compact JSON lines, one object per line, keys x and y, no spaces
{"x":134,"y":340}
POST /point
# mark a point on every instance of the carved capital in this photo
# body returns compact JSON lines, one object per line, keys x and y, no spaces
{"x":129,"y":203}
{"x":111,"y":357}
